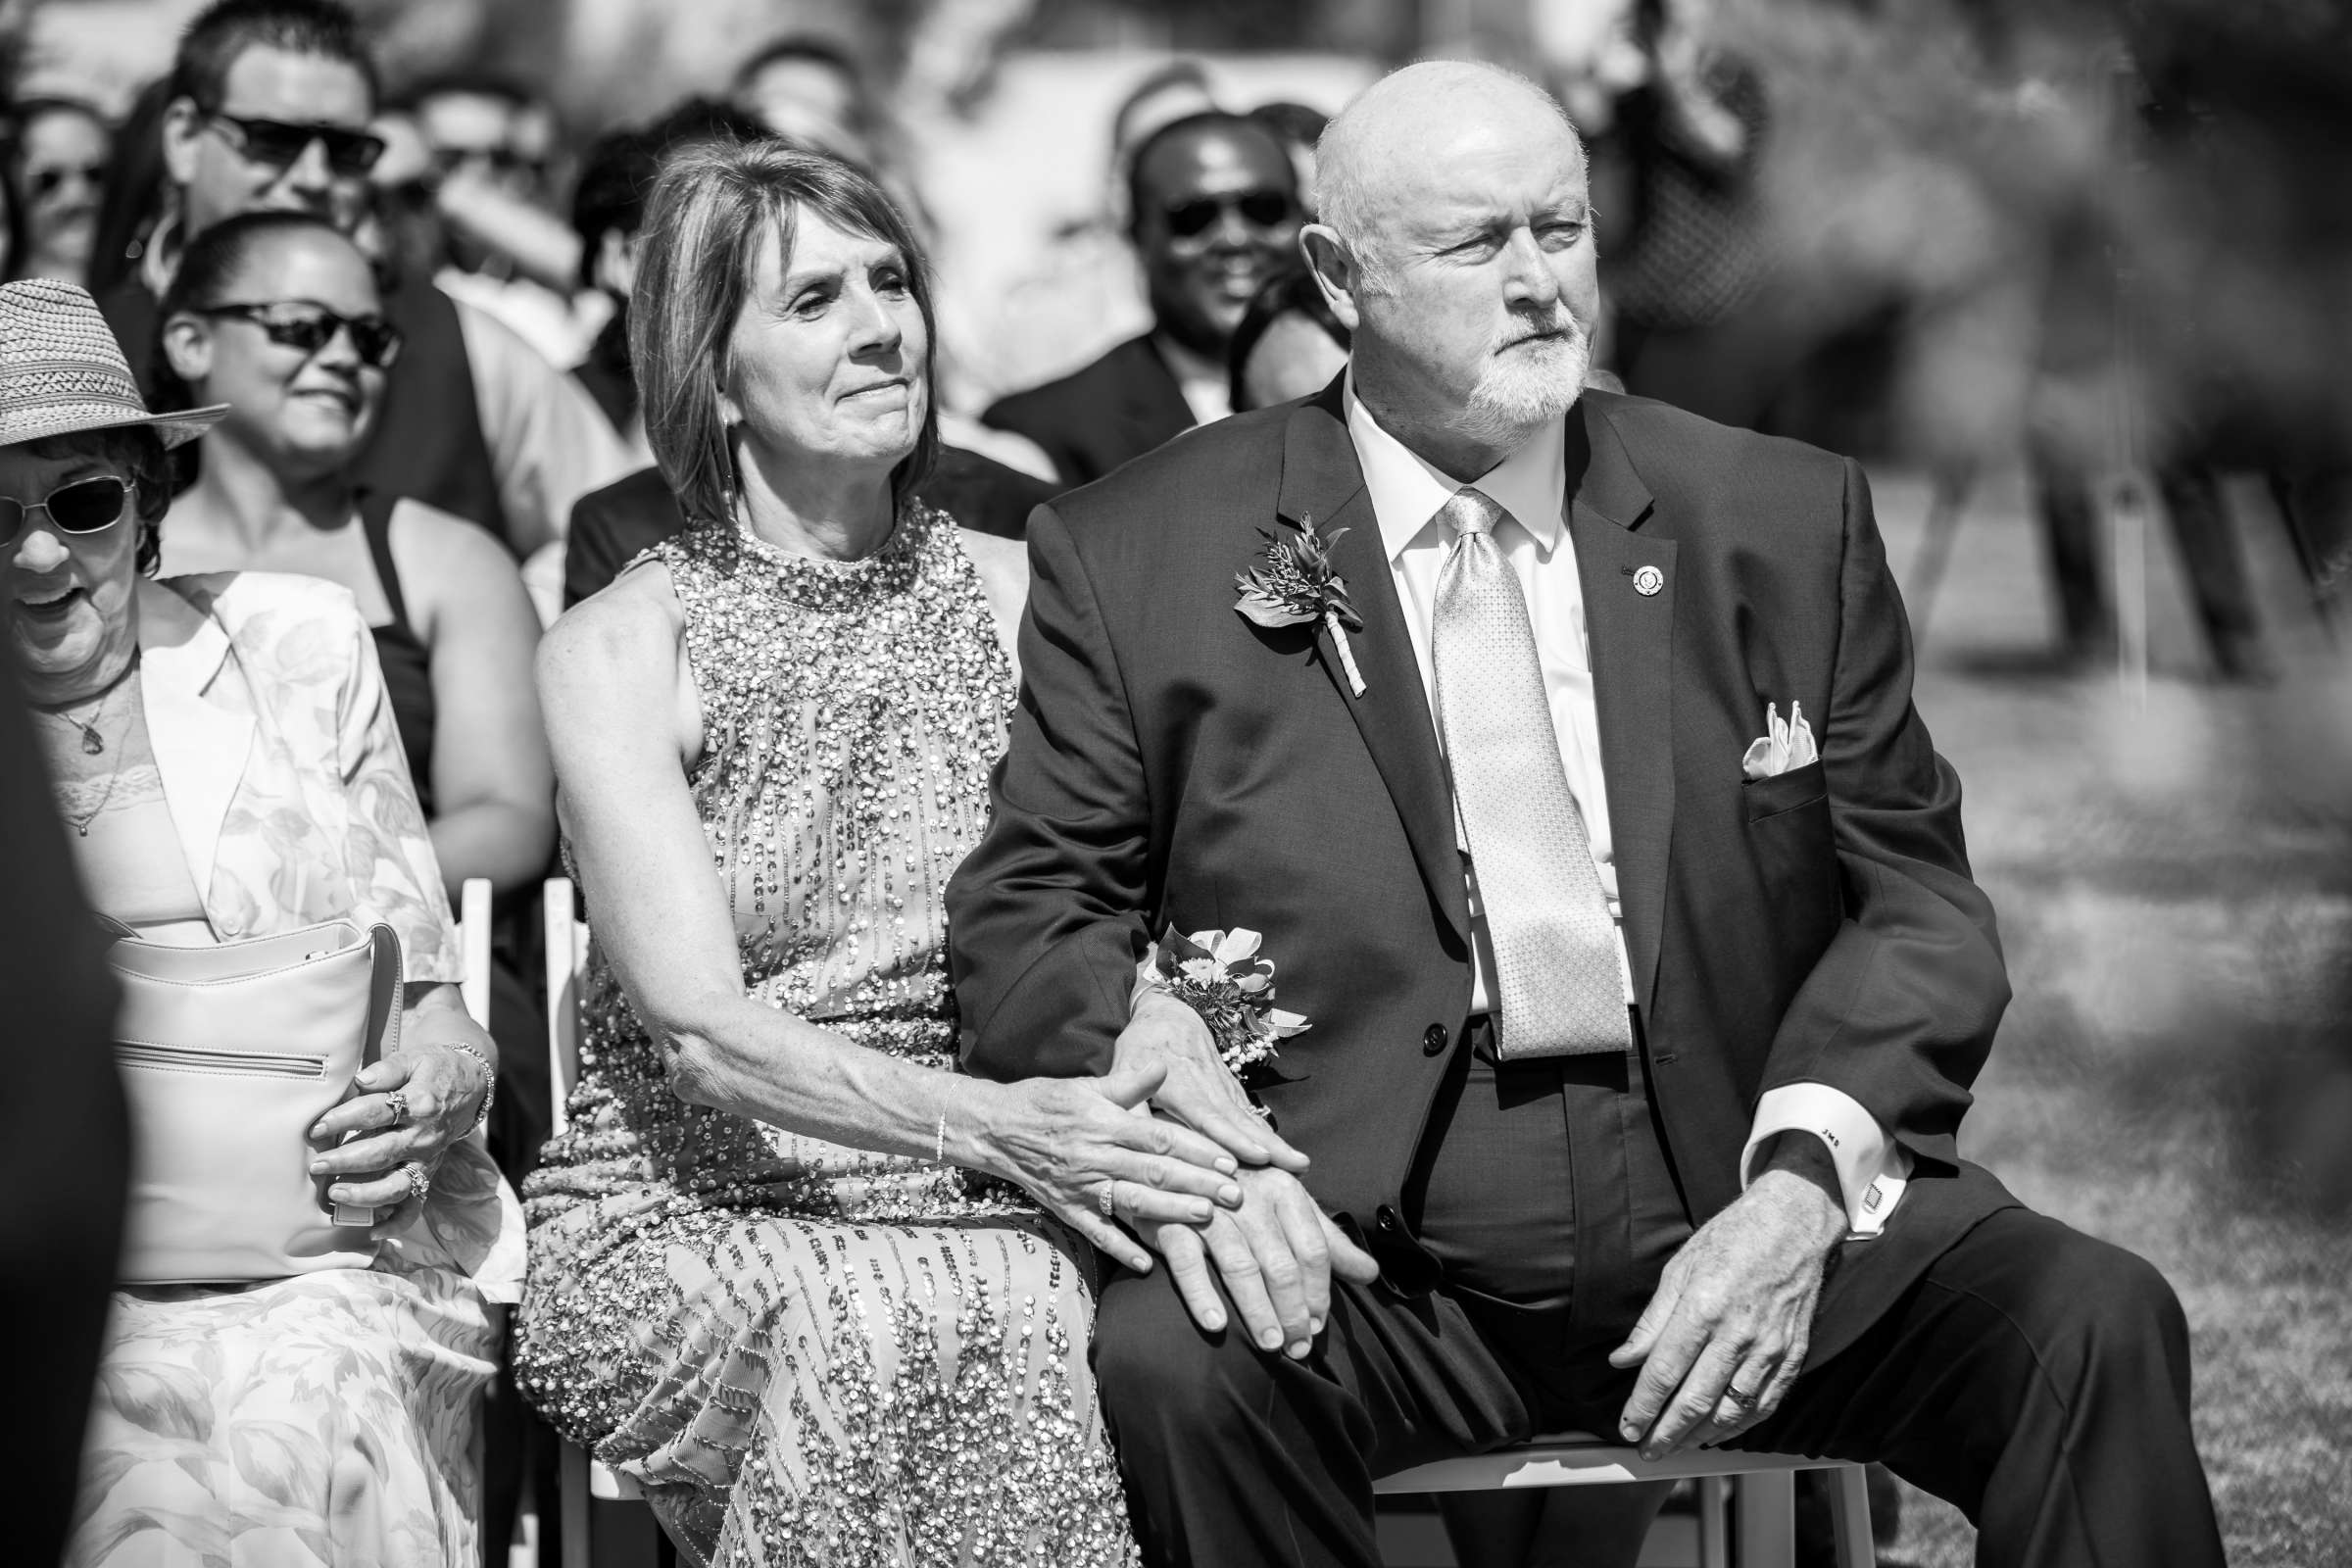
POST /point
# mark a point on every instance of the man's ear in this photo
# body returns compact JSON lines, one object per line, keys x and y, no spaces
{"x":188,"y":348}
{"x":1337,"y":272}
{"x":182,"y":124}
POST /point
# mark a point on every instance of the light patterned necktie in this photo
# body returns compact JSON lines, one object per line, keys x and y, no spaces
{"x":1559,"y":989}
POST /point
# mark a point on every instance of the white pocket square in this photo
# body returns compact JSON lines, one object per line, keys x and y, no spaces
{"x":1790,"y":744}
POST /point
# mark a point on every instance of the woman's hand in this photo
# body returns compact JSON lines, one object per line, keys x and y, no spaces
{"x":412,"y":1105}
{"x":1197,"y":1087}
{"x":1068,"y":1141}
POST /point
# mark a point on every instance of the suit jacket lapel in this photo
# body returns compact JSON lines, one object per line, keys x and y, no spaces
{"x":1631,"y":634}
{"x":201,"y":745}
{"x":1156,"y":410}
{"x":1321,"y":483}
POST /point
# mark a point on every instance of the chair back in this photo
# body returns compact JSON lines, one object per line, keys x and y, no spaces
{"x":567,"y":944}
{"x":473,"y":948}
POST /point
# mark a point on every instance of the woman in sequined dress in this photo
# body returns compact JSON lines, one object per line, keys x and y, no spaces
{"x":817,"y":1295}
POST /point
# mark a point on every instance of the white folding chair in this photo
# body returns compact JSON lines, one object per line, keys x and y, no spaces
{"x":473,"y":948}
{"x":1762,"y":1487}
{"x":579,"y":1478}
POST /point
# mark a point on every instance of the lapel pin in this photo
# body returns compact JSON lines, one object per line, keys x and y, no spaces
{"x":1647,"y":580}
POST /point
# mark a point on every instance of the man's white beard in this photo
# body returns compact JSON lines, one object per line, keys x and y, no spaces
{"x":1525,"y":388}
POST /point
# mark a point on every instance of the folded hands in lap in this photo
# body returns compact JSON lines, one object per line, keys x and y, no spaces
{"x":1276,"y":1252}
{"x":1064,"y":1139}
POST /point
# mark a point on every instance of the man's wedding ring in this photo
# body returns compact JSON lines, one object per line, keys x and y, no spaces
{"x":399,"y":1101}
{"x":1103,"y":1200}
{"x":420,"y":1179}
{"x":1745,"y":1402}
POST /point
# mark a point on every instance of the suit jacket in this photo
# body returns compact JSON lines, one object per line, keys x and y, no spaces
{"x":1095,"y":419}
{"x":1172,"y":763}
{"x":611,"y":527}
{"x":428,"y":442}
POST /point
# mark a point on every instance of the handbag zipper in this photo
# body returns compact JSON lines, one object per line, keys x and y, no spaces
{"x":188,"y":1059}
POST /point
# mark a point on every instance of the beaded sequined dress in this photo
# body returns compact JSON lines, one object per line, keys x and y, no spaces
{"x":808,"y":1355}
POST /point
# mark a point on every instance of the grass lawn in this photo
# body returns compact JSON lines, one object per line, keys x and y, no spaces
{"x":2175,"y":888}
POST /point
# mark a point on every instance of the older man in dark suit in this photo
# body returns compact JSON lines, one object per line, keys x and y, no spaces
{"x":1214,"y":215}
{"x":1624,"y":892}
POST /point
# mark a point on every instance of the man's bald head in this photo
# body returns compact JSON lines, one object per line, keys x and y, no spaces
{"x":1391,"y":146}
{"x":1455,"y":242}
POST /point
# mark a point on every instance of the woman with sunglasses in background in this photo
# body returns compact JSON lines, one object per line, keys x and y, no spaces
{"x":58,"y":156}
{"x":278,"y":316}
{"x":226,"y":761}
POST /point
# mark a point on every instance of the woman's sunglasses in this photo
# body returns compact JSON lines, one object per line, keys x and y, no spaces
{"x":1263,"y":209}
{"x":300,"y":324}
{"x":277,"y":145}
{"x":49,"y":180}
{"x":86,"y":506}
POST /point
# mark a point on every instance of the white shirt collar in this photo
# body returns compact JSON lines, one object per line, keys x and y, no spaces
{"x":1407,"y":490}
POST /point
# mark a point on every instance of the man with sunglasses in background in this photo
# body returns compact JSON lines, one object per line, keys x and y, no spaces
{"x":1214,"y":212}
{"x":272,"y":102}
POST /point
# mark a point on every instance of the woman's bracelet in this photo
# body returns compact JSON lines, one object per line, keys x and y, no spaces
{"x":489,"y":1080}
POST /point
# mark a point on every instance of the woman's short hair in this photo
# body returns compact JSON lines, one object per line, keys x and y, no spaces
{"x":710,"y":209}
{"x":1289,"y":293}
{"x":137,"y":453}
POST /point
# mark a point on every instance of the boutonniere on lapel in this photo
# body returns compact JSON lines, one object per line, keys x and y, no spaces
{"x":1219,"y":975}
{"x":1296,"y":585}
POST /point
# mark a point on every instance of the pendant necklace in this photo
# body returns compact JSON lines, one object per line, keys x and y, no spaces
{"x":93,"y":744}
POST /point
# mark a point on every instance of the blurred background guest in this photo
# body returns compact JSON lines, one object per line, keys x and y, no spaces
{"x":276,"y":315}
{"x":226,"y":753}
{"x":1674,"y":125}
{"x":1298,"y":126}
{"x":130,"y":194}
{"x":809,"y":91}
{"x":1216,"y":210}
{"x":502,"y":249}
{"x":57,"y":156}
{"x":608,"y":209}
{"x":1288,"y":344}
{"x":270,"y":109}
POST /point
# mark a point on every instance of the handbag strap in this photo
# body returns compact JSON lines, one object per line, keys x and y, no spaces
{"x":383,"y":995}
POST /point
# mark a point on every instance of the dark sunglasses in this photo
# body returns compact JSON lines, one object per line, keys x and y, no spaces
{"x":86,"y":506}
{"x":300,"y":324}
{"x":502,"y":160}
{"x":277,"y":145}
{"x":45,"y":181}
{"x":1263,"y":209}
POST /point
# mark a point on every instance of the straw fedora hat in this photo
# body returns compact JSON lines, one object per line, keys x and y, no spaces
{"x":61,"y":371}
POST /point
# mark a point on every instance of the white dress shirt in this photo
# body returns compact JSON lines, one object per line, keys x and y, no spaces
{"x":1206,"y":386}
{"x":1531,"y":486}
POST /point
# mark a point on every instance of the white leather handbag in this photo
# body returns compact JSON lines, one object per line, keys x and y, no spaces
{"x":228,"y":1053}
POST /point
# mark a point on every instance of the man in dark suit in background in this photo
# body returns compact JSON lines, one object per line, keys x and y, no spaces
{"x":1213,"y":210}
{"x":1639,"y":1045}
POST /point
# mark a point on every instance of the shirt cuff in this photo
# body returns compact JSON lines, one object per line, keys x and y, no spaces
{"x":1872,"y":1167}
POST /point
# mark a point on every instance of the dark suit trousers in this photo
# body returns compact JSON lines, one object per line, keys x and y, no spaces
{"x":2034,"y":1377}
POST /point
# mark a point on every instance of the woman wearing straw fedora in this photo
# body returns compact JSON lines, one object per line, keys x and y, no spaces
{"x":225,"y":756}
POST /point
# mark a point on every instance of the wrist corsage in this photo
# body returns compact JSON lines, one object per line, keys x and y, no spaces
{"x":1219,"y":975}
